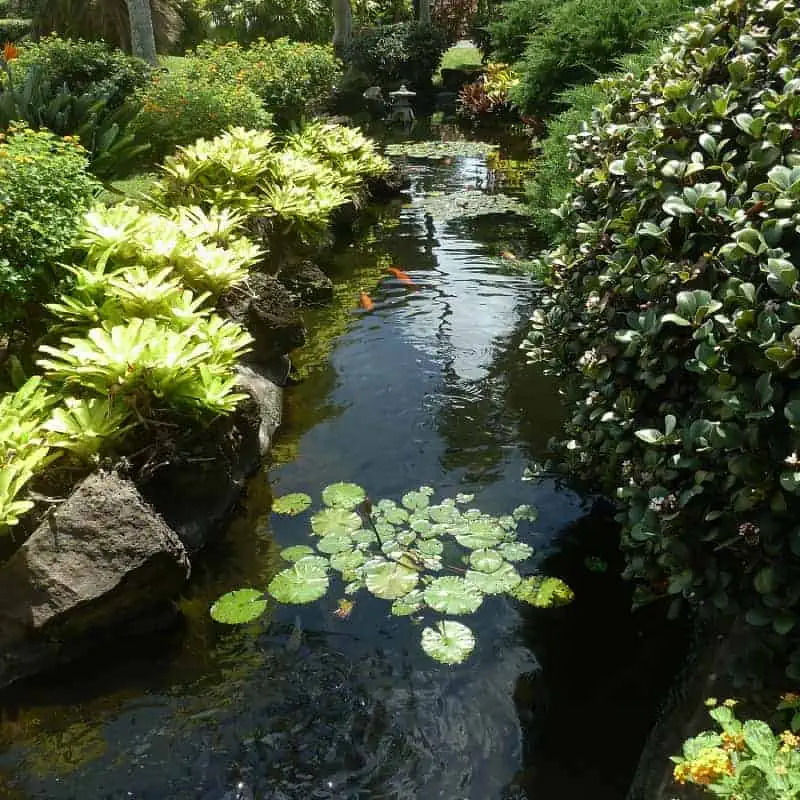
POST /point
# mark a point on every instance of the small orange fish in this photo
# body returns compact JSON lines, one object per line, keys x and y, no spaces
{"x":344,"y":609}
{"x":403,"y":277}
{"x":508,"y":255}
{"x":365,"y":301}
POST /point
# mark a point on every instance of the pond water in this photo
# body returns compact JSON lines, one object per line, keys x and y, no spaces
{"x":428,"y":387}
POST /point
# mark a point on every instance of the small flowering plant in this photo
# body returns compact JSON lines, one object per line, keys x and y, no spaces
{"x":745,"y":760}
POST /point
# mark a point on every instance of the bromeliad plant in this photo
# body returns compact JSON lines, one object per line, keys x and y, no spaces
{"x":424,"y":558}
{"x":674,"y":316}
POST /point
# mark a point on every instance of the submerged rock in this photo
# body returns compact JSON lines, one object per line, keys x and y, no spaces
{"x":385,"y":187}
{"x":102,"y":560}
{"x":307,"y":282}
{"x":267,"y":309}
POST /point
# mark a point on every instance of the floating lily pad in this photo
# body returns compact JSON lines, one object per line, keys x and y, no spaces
{"x":343,"y":495}
{"x":508,"y":522}
{"x":364,"y":538}
{"x":291,"y":504}
{"x":469,"y":204}
{"x":515,"y":551}
{"x":525,"y":512}
{"x":544,"y":592}
{"x":394,"y":516}
{"x":448,"y":642}
{"x":297,"y":552}
{"x":347,"y":560}
{"x":435,"y":149}
{"x":430,"y":547}
{"x":500,"y":581}
{"x":463,"y":499}
{"x":416,"y":500}
{"x":480,"y":534}
{"x":353,"y":586}
{"x":432,"y":563}
{"x":408,"y":604}
{"x":303,"y":582}
{"x":485,"y":560}
{"x":243,"y":605}
{"x":406,"y":537}
{"x":391,"y":581}
{"x":421,"y":525}
{"x":335,"y":520}
{"x":452,"y":595}
{"x":335,"y":543}
{"x":444,"y":513}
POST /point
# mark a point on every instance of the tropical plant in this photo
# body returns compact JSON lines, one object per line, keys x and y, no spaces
{"x":743,"y":760}
{"x":424,"y":558}
{"x":673,"y":316}
{"x":512,"y":24}
{"x":490,"y":94}
{"x":408,"y":52}
{"x":85,"y":426}
{"x":44,"y":188}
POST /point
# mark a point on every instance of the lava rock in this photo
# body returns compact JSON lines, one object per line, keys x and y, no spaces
{"x":385,"y":187}
{"x":267,"y":309}
{"x":102,"y":560}
{"x":195,"y":477}
{"x":307,"y":282}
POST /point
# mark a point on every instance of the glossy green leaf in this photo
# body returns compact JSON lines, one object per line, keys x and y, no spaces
{"x":544,"y":592}
{"x":391,"y":581}
{"x":343,"y":495}
{"x":303,"y":582}
{"x":502,"y":580}
{"x":515,"y":551}
{"x":408,"y":604}
{"x":291,"y":504}
{"x":453,"y":595}
{"x":347,"y":560}
{"x":335,"y":521}
{"x":485,"y":560}
{"x":335,"y":543}
{"x":448,"y":642}
{"x":243,"y":605}
{"x":296,"y":552}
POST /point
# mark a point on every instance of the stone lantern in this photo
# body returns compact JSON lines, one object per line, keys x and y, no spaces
{"x":401,"y":106}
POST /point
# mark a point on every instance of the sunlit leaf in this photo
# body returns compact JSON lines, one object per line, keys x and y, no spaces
{"x":453,"y":595}
{"x":444,"y":513}
{"x":463,"y":499}
{"x":544,"y":592}
{"x":347,"y":560}
{"x":515,"y":551}
{"x":408,"y":604}
{"x":303,"y":582}
{"x":430,"y":547}
{"x":485,"y":560}
{"x":335,"y":520}
{"x":525,"y":512}
{"x":480,"y":533}
{"x":418,"y":499}
{"x":335,"y":543}
{"x":243,"y":605}
{"x":500,"y":581}
{"x":291,"y":504}
{"x":391,"y":581}
{"x":448,"y":642}
{"x":364,"y":538}
{"x":343,"y":495}
{"x":296,"y":552}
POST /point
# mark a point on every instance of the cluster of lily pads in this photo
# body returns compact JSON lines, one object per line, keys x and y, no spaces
{"x":452,"y":149}
{"x":423,"y":557}
{"x":468,"y":204}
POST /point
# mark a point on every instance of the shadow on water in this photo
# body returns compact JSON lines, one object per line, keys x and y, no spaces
{"x":427,"y":388}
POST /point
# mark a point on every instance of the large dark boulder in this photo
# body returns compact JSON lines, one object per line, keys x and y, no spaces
{"x":307,"y":283}
{"x":387,"y":187}
{"x":103,"y":560}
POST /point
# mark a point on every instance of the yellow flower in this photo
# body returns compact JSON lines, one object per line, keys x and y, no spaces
{"x":711,"y":764}
{"x":733,"y":742}
{"x":790,"y":741}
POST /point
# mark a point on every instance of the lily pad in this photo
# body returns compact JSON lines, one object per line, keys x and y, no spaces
{"x":296,"y":552}
{"x":395,"y":516}
{"x":448,"y":642}
{"x":544,"y":592}
{"x":408,"y":604}
{"x":485,"y":560}
{"x":444,"y":513}
{"x":353,"y":587}
{"x":515,"y":551}
{"x":500,"y":581}
{"x":335,"y":520}
{"x":480,"y":533}
{"x":364,"y":538}
{"x":343,"y":495}
{"x":525,"y":512}
{"x":391,"y":581}
{"x":243,"y":605}
{"x":452,"y":595}
{"x":463,"y":499}
{"x":303,"y":582}
{"x":469,"y":204}
{"x":430,"y":547}
{"x":335,"y":543}
{"x":291,"y":504}
{"x":416,"y":500}
{"x":406,"y":537}
{"x":436,"y":149}
{"x":347,"y":560}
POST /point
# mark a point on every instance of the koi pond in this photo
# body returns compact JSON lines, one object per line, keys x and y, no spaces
{"x":421,"y":384}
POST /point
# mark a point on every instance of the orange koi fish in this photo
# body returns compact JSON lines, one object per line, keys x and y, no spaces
{"x":365,"y":301}
{"x":508,"y":255}
{"x":403,"y":277}
{"x":344,"y":609}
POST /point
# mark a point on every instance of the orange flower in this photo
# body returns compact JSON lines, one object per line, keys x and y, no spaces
{"x":10,"y":52}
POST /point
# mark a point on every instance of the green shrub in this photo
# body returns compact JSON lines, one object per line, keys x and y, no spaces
{"x":177,"y":109}
{"x":13,"y":29}
{"x":86,"y":68}
{"x":554,"y":177}
{"x":293,"y":79}
{"x":514,"y":23}
{"x":44,"y":189}
{"x":249,"y":20}
{"x":583,"y":38}
{"x":673,"y":316}
{"x":406,"y":51}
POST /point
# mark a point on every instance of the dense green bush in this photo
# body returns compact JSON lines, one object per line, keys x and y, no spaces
{"x":13,"y":29}
{"x":514,"y":22}
{"x":674,"y":316}
{"x":406,"y":52}
{"x":44,"y":189}
{"x":292,"y":79}
{"x":177,"y":108}
{"x":554,"y":176}
{"x":86,"y":68}
{"x":583,"y":38}
{"x":249,"y":20}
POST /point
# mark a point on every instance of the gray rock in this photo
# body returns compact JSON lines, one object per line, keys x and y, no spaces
{"x":267,"y":396}
{"x":103,"y":559}
{"x":307,"y":282}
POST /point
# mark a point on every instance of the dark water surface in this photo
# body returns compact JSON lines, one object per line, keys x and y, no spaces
{"x":427,"y":388}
